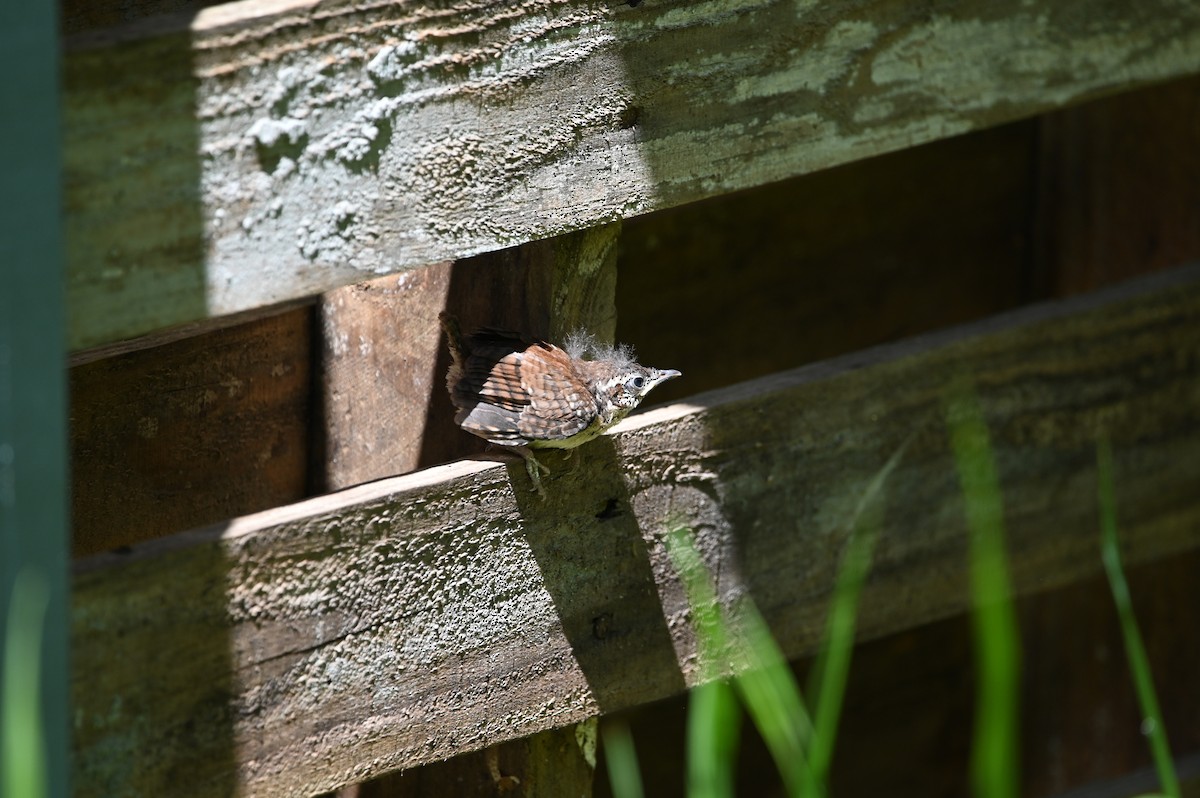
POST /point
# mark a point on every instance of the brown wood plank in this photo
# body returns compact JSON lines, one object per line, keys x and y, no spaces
{"x":386,"y":412}
{"x":380,"y":384}
{"x":760,"y":281}
{"x":411,"y":619}
{"x":190,"y":432}
{"x":1119,"y":188}
{"x":265,"y":150}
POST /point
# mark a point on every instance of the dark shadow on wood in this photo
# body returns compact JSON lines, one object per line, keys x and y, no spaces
{"x":757,"y":282}
{"x":910,"y":699}
{"x":132,"y":736}
{"x":1118,"y":188}
{"x":907,"y":714}
{"x":550,"y":763}
{"x":492,"y":290}
{"x":596,"y":564}
{"x":126,"y":663}
{"x":192,"y":432}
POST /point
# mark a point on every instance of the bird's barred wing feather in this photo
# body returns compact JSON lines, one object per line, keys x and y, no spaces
{"x":499,"y":379}
{"x":562,"y":405}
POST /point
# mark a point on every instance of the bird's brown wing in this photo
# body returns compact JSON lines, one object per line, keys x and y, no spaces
{"x":512,"y":392}
{"x":560,"y":403}
{"x":485,"y":386}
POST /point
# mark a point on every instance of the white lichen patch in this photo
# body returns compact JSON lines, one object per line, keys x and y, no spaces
{"x":333,"y":234}
{"x":393,"y":62}
{"x":271,"y":132}
{"x":818,"y":68}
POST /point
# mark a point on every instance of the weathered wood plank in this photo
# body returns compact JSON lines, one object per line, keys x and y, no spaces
{"x":832,"y":262}
{"x":380,"y":385}
{"x":386,"y":411}
{"x":191,"y":432}
{"x":268,"y":149}
{"x":406,"y":620}
{"x":1120,"y":185}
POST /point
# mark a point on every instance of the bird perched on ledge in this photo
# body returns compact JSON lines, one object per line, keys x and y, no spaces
{"x":524,"y":394}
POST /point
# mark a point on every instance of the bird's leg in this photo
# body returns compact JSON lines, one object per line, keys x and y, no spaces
{"x":502,"y":782}
{"x":533,"y":467}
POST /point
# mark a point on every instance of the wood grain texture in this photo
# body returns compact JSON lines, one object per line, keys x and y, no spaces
{"x":387,"y":412}
{"x":747,"y":284}
{"x":411,"y":619}
{"x":379,"y":379}
{"x":259,"y":151}
{"x":1119,"y":190}
{"x":191,"y":432}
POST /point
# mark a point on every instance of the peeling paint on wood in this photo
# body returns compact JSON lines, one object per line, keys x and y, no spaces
{"x":410,"y":619}
{"x":263,"y":151}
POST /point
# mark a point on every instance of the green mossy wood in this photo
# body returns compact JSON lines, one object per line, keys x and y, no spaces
{"x":261,"y":151}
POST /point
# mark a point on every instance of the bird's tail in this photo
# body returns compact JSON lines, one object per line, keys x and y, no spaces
{"x":454,"y":336}
{"x":458,"y":351}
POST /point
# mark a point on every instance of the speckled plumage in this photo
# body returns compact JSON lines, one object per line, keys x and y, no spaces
{"x":520,"y":393}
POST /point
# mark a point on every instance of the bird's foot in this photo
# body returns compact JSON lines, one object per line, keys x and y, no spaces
{"x":502,"y":782}
{"x":535,"y":469}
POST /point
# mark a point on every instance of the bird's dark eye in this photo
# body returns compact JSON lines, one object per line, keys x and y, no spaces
{"x":638,"y":383}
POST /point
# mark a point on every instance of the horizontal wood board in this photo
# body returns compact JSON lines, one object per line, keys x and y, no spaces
{"x":414,"y":618}
{"x":191,"y":432}
{"x":260,"y":151}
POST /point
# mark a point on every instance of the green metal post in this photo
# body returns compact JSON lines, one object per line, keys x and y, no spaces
{"x":34,"y":680}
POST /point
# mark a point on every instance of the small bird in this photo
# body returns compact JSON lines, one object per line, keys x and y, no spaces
{"x":524,"y":394}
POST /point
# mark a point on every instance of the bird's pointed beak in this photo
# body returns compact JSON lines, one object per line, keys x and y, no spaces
{"x":659,"y":376}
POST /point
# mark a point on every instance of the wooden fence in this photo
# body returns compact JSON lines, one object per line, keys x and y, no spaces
{"x":288,"y":581}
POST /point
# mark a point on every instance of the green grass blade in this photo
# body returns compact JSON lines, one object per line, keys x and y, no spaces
{"x":774,"y":702}
{"x":22,"y":752}
{"x":761,"y":674}
{"x":712,"y":633}
{"x":994,"y":765}
{"x":713,"y":733}
{"x":621,"y":760}
{"x":713,"y":722}
{"x":1135,"y":650}
{"x":827,"y":683}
